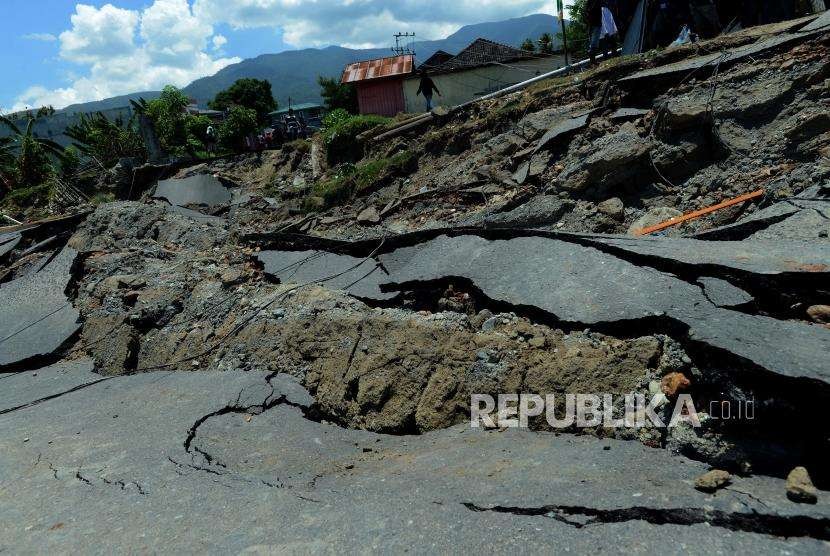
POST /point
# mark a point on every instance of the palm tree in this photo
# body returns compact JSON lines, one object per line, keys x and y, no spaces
{"x":24,"y":157}
{"x":546,"y":43}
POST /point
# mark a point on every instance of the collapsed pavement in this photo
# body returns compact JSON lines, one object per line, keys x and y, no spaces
{"x":213,"y":343}
{"x":225,"y":456}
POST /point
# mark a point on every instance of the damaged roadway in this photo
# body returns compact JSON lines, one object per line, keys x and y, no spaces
{"x":582,"y":286}
{"x":233,"y":463}
{"x":232,"y":365}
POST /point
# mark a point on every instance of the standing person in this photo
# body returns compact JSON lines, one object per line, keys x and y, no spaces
{"x":426,"y":87}
{"x":603,"y":28}
{"x":593,"y":20}
{"x":291,"y":125}
{"x":210,"y":136}
{"x":609,"y":31}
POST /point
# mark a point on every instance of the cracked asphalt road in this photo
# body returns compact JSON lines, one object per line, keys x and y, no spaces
{"x":229,"y":462}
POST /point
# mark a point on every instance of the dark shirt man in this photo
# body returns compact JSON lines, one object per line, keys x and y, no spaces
{"x":426,"y":87}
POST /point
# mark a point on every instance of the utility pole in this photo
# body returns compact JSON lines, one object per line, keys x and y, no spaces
{"x":407,"y":47}
{"x":560,"y":6}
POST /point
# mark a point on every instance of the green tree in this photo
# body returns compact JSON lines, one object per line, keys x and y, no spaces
{"x":528,"y":45}
{"x":107,"y":141}
{"x":25,"y":159}
{"x":239,"y":123}
{"x":576,"y":29}
{"x":546,"y":43}
{"x":254,"y":94}
{"x":169,"y":116}
{"x":338,"y":95}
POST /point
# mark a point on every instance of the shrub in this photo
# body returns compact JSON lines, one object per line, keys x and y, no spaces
{"x":370,"y":174}
{"x":335,"y":118}
{"x":351,"y":180}
{"x":336,"y":189}
{"x":299,"y":145}
{"x":101,"y":198}
{"x":340,"y":135}
{"x":197,"y":127}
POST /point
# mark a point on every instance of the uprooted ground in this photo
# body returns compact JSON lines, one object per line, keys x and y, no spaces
{"x":316,"y":392}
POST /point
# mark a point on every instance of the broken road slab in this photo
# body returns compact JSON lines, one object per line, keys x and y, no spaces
{"x":768,"y":257}
{"x":628,"y":113}
{"x":792,"y":219}
{"x":359,"y":277}
{"x":8,"y":242}
{"x":35,"y":315}
{"x":721,"y":58}
{"x":723,"y":294}
{"x":558,"y":131}
{"x":234,"y":461}
{"x":200,"y":189}
{"x":582,"y":285}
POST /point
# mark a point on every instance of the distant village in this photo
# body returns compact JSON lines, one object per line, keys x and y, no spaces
{"x":390,"y":85}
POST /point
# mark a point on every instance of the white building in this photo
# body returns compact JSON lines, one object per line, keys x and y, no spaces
{"x":481,"y":68}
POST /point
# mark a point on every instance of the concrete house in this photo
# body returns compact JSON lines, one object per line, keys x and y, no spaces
{"x":379,"y":83}
{"x":481,"y":68}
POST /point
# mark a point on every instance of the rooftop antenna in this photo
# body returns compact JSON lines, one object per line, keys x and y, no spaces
{"x":406,"y":48}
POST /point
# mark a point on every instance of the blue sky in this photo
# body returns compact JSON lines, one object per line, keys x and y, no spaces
{"x":60,"y":52}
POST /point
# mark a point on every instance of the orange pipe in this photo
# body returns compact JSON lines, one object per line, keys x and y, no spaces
{"x":698,"y":213}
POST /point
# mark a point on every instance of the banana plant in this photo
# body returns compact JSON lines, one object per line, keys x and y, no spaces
{"x":25,"y":159}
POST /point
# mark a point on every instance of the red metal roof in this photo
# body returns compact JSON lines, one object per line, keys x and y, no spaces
{"x":375,"y":69}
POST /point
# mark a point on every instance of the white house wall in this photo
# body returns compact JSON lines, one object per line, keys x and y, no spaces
{"x":461,"y":86}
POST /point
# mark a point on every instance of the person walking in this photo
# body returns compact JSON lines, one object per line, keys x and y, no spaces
{"x":426,"y":88}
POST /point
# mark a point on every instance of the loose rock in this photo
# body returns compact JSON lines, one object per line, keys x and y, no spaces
{"x":800,"y":488}
{"x":368,"y":217}
{"x":713,"y":480}
{"x":673,"y":383}
{"x":819,"y":313}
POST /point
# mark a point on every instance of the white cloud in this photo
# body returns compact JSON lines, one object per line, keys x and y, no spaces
{"x":360,"y":23}
{"x":127,"y":51}
{"x":98,"y":33}
{"x":219,"y":41}
{"x":173,"y":41}
{"x":43,"y":37}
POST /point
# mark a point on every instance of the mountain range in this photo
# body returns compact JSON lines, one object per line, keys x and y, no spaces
{"x":294,"y":73}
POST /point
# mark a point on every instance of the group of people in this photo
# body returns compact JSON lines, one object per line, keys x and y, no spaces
{"x":292,"y":126}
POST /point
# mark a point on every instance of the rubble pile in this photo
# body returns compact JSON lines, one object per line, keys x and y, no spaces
{"x":220,"y":341}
